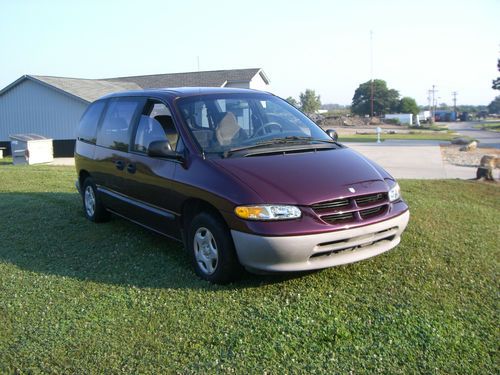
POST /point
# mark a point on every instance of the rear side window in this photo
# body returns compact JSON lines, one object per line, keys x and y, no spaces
{"x":87,"y":128}
{"x":114,"y":132}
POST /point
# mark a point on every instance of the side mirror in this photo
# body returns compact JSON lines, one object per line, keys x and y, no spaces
{"x":332,"y":134}
{"x":163,"y":149}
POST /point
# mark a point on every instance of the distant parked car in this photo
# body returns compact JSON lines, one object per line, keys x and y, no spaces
{"x":241,"y":177}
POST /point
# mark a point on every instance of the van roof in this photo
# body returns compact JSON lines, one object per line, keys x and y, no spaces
{"x":184,"y":91}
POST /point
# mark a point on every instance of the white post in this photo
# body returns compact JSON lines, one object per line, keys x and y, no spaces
{"x":378,"y":134}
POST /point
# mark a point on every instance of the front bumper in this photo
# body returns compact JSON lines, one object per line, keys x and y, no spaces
{"x":316,"y":251}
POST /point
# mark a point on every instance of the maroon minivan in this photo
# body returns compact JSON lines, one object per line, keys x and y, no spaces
{"x":241,"y":177}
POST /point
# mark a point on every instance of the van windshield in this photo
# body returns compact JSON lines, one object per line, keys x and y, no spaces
{"x":223,"y":123}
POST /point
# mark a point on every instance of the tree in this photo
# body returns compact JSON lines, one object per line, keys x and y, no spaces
{"x":496,"y":82}
{"x":292,"y":101}
{"x":385,"y":100}
{"x":309,"y":102}
{"x":408,"y":105}
{"x":494,"y":106}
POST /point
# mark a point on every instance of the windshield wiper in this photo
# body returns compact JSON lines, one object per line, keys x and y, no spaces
{"x":277,"y":141}
{"x":309,"y":139}
{"x":257,"y":145}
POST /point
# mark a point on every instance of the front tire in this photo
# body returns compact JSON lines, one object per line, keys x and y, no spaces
{"x":92,"y":206}
{"x":212,"y":250}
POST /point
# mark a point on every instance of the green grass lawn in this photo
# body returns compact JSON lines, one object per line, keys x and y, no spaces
{"x":414,"y":135}
{"x":6,"y":160}
{"x":77,"y":297}
{"x":491,"y":126}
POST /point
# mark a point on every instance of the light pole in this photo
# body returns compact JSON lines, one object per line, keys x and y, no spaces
{"x":371,"y":74}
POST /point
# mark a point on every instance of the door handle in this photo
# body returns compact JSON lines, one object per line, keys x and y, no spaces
{"x":119,"y":164}
{"x":131,"y":168}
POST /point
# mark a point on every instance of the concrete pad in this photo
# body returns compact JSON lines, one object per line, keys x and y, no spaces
{"x":412,"y":159}
{"x":63,"y":161}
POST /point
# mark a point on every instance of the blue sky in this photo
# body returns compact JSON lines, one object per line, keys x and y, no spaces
{"x":322,"y":45}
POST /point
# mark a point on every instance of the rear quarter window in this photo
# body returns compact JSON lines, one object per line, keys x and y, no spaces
{"x":87,"y":128}
{"x":115,"y":129}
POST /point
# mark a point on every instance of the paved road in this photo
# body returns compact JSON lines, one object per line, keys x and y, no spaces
{"x":485,"y":138}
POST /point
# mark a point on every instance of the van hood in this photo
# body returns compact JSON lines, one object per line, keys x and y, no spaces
{"x":309,"y":177}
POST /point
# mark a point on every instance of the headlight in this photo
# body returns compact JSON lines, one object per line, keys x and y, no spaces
{"x":268,"y":212}
{"x":394,"y":193}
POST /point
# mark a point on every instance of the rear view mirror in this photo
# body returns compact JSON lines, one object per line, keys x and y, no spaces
{"x":332,"y":134}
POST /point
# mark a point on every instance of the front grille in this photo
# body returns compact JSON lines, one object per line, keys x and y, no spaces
{"x":371,"y":211}
{"x":369,"y":199}
{"x":337,"y":218}
{"x":331,"y":204}
{"x":353,"y":209}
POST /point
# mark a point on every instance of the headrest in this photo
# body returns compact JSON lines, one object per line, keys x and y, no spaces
{"x":227,"y":129}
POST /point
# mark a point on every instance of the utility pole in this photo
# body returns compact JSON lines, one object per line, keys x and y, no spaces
{"x":371,"y":73}
{"x":455,"y":93}
{"x":433,"y":107}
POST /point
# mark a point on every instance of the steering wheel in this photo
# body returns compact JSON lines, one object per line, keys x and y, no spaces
{"x":268,"y":125}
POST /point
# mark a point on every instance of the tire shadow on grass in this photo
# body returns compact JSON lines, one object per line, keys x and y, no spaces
{"x":48,"y":233}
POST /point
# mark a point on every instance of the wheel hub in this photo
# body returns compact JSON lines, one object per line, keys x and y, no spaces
{"x":89,"y":201}
{"x":205,"y":250}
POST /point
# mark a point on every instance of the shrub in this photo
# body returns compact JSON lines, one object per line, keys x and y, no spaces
{"x":392,"y":121}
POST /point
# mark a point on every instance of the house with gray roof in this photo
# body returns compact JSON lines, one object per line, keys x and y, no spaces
{"x":52,"y":106}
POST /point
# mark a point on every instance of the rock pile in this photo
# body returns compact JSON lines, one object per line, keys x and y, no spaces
{"x":469,"y":147}
{"x":486,"y":166}
{"x":460,"y":141}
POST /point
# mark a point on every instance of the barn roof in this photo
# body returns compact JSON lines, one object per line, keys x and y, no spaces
{"x":214,"y":78}
{"x":89,"y":90}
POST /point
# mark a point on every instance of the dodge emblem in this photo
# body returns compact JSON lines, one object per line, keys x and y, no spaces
{"x":352,"y":190}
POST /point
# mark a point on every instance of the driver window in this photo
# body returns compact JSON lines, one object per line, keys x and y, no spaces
{"x":155,"y":124}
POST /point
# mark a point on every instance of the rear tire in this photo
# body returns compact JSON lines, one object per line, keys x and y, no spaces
{"x":212,"y":250}
{"x":92,"y":206}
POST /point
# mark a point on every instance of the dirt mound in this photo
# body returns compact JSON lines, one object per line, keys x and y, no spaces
{"x":336,"y":121}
